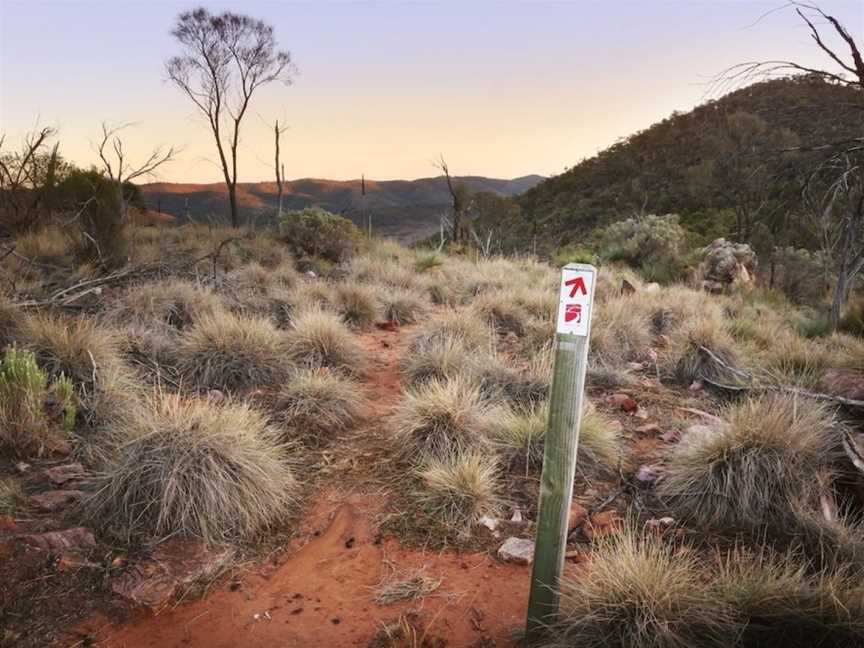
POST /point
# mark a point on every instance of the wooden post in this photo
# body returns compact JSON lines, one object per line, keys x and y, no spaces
{"x":562,"y":436}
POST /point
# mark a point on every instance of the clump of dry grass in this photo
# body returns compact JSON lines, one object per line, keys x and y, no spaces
{"x":320,"y":340}
{"x":638,"y":592}
{"x":523,"y":387}
{"x":231,"y":352}
{"x":357,"y":304}
{"x":502,"y":310}
{"x":445,"y":358}
{"x":519,"y":435}
{"x":405,"y":586}
{"x":460,"y":489}
{"x":317,"y":404}
{"x":402,"y":305}
{"x":77,"y":348}
{"x":195,"y":468}
{"x":702,"y":350}
{"x":12,"y":498}
{"x":174,"y":302}
{"x":473,"y":333}
{"x":440,"y":418}
{"x":620,"y":332}
{"x":315,"y":294}
{"x":793,"y":359}
{"x":782,"y":604}
{"x":747,"y":472}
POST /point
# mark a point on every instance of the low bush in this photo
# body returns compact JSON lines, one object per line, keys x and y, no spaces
{"x":29,"y":423}
{"x":173,"y":302}
{"x":620,"y":333}
{"x":315,"y":232}
{"x":320,"y":340}
{"x":402,"y":305}
{"x":502,"y":311}
{"x":473,"y":333}
{"x":315,"y":405}
{"x":195,"y":468}
{"x":520,"y":387}
{"x":702,"y":350}
{"x":230,"y":352}
{"x":646,"y":242}
{"x":442,"y":359}
{"x":357,"y":304}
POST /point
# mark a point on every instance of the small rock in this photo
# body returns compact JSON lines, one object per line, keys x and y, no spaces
{"x":577,"y":515}
{"x":517,"y":515}
{"x":670,"y":436}
{"x":67,"y":563}
{"x":215,"y":396}
{"x":651,"y":287}
{"x":76,"y":538}
{"x":648,"y":428}
{"x":635,"y":366}
{"x":646,"y":475}
{"x":601,"y":525}
{"x":576,"y":556}
{"x":8,"y":524}
{"x":623,"y":401}
{"x":55,"y":500}
{"x":310,"y":274}
{"x":489,"y":522}
{"x":696,"y":385}
{"x":640,"y":414}
{"x":627,"y":288}
{"x":22,"y":467}
{"x":517,"y":550}
{"x":660,"y":523}
{"x":60,"y":447}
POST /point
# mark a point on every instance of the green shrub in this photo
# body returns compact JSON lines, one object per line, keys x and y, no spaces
{"x":25,"y":426}
{"x":852,"y":321}
{"x":573,"y":254}
{"x":315,"y":232}
{"x":799,"y":274}
{"x":645,"y":242}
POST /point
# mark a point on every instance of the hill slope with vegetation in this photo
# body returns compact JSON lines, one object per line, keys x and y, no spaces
{"x":730,"y":167}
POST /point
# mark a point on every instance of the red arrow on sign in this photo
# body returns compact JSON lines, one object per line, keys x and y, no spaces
{"x":576,"y":285}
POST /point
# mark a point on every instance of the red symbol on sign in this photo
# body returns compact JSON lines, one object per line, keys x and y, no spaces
{"x":577,"y":284}
{"x":573,"y":312}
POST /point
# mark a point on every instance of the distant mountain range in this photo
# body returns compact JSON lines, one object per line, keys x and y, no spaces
{"x":406,"y":209}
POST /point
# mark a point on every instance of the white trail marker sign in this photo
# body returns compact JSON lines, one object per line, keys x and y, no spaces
{"x":575,"y":306}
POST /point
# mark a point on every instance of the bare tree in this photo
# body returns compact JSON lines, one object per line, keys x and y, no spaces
{"x":457,"y":198}
{"x":225,"y":59}
{"x":120,"y":170}
{"x":24,"y":177}
{"x":280,"y":169}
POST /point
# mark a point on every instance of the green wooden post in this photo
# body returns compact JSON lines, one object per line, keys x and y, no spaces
{"x":562,"y":437}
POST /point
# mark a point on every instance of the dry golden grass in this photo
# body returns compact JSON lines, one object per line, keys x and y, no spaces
{"x":195,"y":468}
{"x":320,"y":340}
{"x":78,"y":348}
{"x":172,"y":302}
{"x":749,"y":472}
{"x":702,"y":350}
{"x":460,"y":489}
{"x":441,"y":418}
{"x":444,"y":358}
{"x":402,"y":305}
{"x":230,"y":352}
{"x":620,"y":332}
{"x":316,"y":405}
{"x":473,"y":333}
{"x":502,"y":311}
{"x":357,"y":304}
{"x":638,"y":592}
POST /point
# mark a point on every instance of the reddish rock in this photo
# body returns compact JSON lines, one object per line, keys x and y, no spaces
{"x":8,"y":524}
{"x":577,"y":516}
{"x":55,"y":500}
{"x":68,"y":562}
{"x":577,"y":556}
{"x":648,"y":428}
{"x":646,"y":475}
{"x":76,"y":538}
{"x":602,"y":525}
{"x":389,"y":325}
{"x":60,"y":475}
{"x":623,"y":401}
{"x":173,"y":565}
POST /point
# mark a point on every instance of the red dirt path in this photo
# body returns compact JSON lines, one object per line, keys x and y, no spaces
{"x":319,"y":591}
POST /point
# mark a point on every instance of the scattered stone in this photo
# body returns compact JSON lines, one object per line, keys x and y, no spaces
{"x":627,"y":288}
{"x":659,"y":525}
{"x":601,"y":525}
{"x":74,"y":539}
{"x":577,"y":515}
{"x":8,"y":524}
{"x":648,"y":428}
{"x":389,"y":325}
{"x":310,"y":274}
{"x":59,"y":447}
{"x":517,"y":550}
{"x":646,"y":475}
{"x":68,"y":562}
{"x":651,"y":287}
{"x":671,"y":435}
{"x":623,"y":401}
{"x":640,"y":414}
{"x":576,"y":556}
{"x":215,"y":396}
{"x":55,"y":500}
{"x":489,"y":522}
{"x":22,"y":467}
{"x":696,"y":385}
{"x":636,"y":366}
{"x":174,"y":564}
{"x":725,"y":264}
{"x":517,"y":515}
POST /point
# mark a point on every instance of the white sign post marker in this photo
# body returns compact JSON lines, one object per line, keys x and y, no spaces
{"x":576,"y":302}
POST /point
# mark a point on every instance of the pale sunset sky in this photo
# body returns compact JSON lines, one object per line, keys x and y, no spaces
{"x":502,"y":88}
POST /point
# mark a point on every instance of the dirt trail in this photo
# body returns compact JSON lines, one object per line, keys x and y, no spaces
{"x":320,"y":590}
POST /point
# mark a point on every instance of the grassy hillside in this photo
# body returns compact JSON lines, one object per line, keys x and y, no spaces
{"x":408,"y":209}
{"x":663,"y":169}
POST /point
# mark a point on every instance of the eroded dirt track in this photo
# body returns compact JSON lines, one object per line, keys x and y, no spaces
{"x":320,"y":590}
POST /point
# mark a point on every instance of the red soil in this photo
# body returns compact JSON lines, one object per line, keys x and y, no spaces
{"x":319,"y":591}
